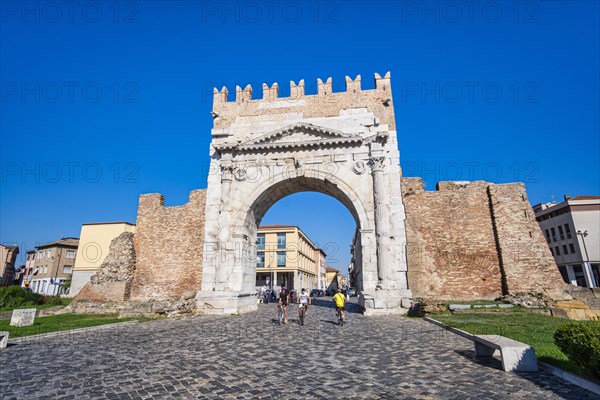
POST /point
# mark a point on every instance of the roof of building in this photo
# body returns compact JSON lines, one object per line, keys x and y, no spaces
{"x":109,"y":223}
{"x":70,"y":241}
{"x":276,"y":226}
{"x":585,"y":198}
{"x":330,"y":269}
{"x":13,"y":247}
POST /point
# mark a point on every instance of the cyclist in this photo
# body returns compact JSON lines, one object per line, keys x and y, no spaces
{"x":304,"y":300}
{"x":340,"y":303}
{"x":284,"y":298}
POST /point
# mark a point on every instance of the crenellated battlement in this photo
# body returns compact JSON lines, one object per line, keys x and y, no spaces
{"x":324,"y":103}
{"x":297,"y":91}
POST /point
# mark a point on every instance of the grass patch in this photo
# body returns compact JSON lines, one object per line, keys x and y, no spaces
{"x":63,"y":322}
{"x":534,"y":329}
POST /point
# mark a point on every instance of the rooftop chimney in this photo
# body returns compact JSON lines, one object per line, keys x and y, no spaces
{"x":567,"y":197}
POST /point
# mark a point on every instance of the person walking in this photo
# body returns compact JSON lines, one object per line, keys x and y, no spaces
{"x":284,"y":298}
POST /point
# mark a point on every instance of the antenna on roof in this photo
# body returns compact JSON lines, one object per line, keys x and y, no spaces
{"x":62,"y":236}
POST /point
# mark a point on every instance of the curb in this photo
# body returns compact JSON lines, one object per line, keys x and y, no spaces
{"x":570,"y":377}
{"x":551,"y":369}
{"x":67,"y":332}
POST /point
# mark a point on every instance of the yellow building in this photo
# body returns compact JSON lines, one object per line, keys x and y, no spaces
{"x":94,"y":243}
{"x":332,"y":283}
{"x":286,"y":256}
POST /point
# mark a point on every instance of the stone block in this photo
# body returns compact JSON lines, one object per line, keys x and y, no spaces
{"x":559,"y":313}
{"x":592,"y":313}
{"x":559,"y":294}
{"x":379,"y":303}
{"x":394,"y":303}
{"x":596,"y":292}
{"x":506,"y":305}
{"x":135,"y":309}
{"x":582,"y":294}
{"x":23,"y":317}
{"x":4,"y":339}
{"x":454,"y":307}
{"x":576,"y":313}
{"x":572,"y":304}
{"x":594,"y":303}
{"x":406,"y":303}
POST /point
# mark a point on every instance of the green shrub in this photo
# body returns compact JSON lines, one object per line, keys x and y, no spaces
{"x":16,"y":296}
{"x":580,"y":341}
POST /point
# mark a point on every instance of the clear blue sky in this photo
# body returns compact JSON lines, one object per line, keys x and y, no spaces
{"x":101,"y":104}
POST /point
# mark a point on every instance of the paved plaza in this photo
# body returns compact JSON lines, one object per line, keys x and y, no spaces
{"x":250,"y":356}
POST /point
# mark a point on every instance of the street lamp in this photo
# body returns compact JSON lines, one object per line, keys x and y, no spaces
{"x":587,"y":257}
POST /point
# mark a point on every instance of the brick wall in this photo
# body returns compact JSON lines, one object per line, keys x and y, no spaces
{"x":526,"y":258}
{"x":451,"y":251}
{"x":474,"y":240}
{"x":168,"y":246}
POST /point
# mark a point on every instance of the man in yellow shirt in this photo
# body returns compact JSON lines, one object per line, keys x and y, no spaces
{"x":340,"y":305}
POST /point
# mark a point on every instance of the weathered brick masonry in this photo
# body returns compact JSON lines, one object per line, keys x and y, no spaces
{"x":474,"y":240}
{"x":168,"y":247}
{"x":525,"y":255}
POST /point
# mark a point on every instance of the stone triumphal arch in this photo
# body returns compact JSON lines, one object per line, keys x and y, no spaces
{"x":340,"y":144}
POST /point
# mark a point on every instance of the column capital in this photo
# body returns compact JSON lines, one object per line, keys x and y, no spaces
{"x":377,"y":163}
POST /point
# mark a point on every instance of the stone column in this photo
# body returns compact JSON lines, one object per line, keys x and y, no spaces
{"x":225,"y":244}
{"x":381,"y":223}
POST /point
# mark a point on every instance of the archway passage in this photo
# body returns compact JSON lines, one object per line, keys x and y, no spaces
{"x":339,"y":144}
{"x":304,"y":241}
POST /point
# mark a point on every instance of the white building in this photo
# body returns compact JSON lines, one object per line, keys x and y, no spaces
{"x":572,"y":230}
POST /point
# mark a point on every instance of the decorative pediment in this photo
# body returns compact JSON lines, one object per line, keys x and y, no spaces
{"x":296,"y":135}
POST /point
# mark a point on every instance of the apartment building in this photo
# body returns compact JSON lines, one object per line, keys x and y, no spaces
{"x":8,"y":256}
{"x":53,"y":265}
{"x":572,"y":230}
{"x":286,"y":256}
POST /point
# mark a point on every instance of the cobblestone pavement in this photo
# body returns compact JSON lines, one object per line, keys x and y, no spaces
{"x":250,"y":356}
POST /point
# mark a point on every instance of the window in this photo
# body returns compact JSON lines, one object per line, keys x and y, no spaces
{"x":70,"y":254}
{"x":67,"y":269}
{"x":260,"y":241}
{"x":281,"y":258}
{"x":572,"y":247}
{"x":561,"y":233}
{"x":547,"y":235}
{"x":565,"y":251}
{"x":568,"y":230}
{"x":49,"y":253}
{"x":260,"y":260}
{"x":280,"y":241}
{"x":579,"y":275}
{"x":557,"y":251}
{"x":553,"y":234}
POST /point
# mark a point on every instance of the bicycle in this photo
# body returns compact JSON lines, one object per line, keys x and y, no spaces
{"x":280,"y":314}
{"x":302,"y":310}
{"x":340,"y":315}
